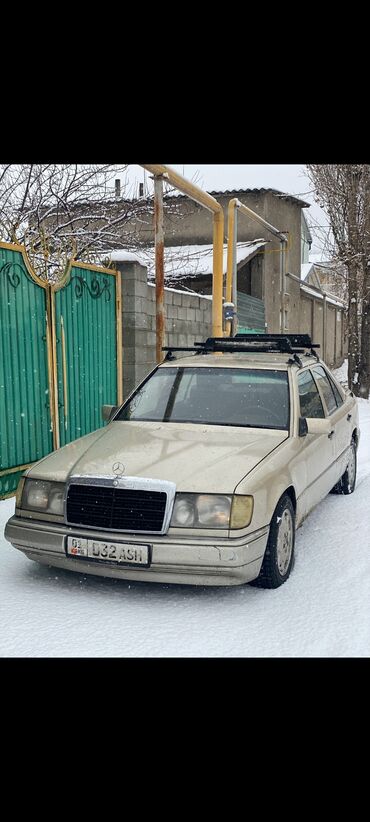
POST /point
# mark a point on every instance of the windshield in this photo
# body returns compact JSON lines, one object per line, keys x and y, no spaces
{"x":212,"y":396}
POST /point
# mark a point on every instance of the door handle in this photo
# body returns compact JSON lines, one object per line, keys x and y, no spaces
{"x":349,"y":417}
{"x":331,"y":435}
{"x":64,"y":364}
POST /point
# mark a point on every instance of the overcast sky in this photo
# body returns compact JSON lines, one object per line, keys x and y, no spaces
{"x":291,"y":179}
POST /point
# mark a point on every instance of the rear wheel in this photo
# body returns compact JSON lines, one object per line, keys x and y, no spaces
{"x":278,"y":560}
{"x":347,"y":483}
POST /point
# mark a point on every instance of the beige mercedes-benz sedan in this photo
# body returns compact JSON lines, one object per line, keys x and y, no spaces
{"x":203,"y":475}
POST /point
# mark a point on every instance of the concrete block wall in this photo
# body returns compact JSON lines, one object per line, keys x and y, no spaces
{"x":188,"y":319}
{"x":312,"y":314}
{"x":311,"y":321}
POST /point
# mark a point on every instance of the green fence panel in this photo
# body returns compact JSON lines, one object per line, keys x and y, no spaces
{"x":87,"y":361}
{"x":25,"y":425}
{"x":251,"y":313}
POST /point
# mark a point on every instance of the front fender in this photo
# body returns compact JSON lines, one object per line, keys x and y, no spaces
{"x":269,"y":481}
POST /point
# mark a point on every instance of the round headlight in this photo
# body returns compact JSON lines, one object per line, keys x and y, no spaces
{"x":56,"y":499}
{"x":36,"y":494}
{"x":44,"y":496}
{"x":183,"y":513}
{"x":213,"y":510}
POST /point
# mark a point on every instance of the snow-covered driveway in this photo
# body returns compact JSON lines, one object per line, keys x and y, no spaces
{"x":322,"y":611}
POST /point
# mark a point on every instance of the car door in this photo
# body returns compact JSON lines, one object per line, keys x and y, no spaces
{"x":316,"y":459}
{"x":337,"y":409}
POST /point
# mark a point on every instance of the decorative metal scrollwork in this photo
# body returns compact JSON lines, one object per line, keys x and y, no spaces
{"x":95,"y":289}
{"x":9,"y":269}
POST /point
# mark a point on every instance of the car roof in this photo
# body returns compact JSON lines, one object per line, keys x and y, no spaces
{"x":251,"y":350}
{"x":279,"y":362}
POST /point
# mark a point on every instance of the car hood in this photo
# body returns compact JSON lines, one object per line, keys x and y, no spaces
{"x":195,"y":457}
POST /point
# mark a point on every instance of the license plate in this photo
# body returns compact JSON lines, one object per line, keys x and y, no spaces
{"x":124,"y":553}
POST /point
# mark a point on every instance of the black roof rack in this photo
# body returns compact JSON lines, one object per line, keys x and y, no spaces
{"x":295,"y":340}
{"x":252,"y":343}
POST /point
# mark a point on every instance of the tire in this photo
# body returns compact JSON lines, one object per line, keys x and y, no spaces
{"x":279,"y":555}
{"x":347,"y":484}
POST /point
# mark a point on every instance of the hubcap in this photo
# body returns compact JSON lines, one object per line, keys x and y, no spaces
{"x":352,"y":467}
{"x":285,"y":541}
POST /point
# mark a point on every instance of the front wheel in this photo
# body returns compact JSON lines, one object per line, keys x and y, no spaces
{"x":278,"y":560}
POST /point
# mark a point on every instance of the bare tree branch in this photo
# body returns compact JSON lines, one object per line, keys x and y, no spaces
{"x":344,"y":192}
{"x":60,"y":211}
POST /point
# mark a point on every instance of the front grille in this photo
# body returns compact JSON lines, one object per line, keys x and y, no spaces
{"x":116,"y":509}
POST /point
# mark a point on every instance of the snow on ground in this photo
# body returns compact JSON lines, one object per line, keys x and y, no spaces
{"x":323,"y":610}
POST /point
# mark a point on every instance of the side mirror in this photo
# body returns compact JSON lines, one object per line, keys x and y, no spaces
{"x":108,"y":411}
{"x":302,"y":427}
{"x":317,"y":425}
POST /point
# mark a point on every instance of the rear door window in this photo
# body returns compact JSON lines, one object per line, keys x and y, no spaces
{"x":337,"y":393}
{"x":323,"y":381}
{"x":309,"y":397}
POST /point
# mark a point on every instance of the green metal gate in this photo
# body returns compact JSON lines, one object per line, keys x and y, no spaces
{"x":25,"y":396}
{"x":87,"y":353}
{"x":60,"y":358}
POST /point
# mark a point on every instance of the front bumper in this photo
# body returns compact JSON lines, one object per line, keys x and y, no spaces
{"x":192,"y":561}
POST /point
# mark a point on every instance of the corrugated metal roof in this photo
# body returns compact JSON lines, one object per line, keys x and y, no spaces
{"x":237,"y":192}
{"x":281,"y":194}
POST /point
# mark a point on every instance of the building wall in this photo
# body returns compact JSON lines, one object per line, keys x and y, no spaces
{"x":193,"y":224}
{"x":313,"y":314}
{"x":306,"y":240}
{"x":305,"y":325}
{"x":292,"y":300}
{"x":285,"y":216}
{"x":318,"y":324}
{"x":312,"y":311}
{"x":330,"y":334}
{"x":340,"y":343}
{"x":188,"y":318}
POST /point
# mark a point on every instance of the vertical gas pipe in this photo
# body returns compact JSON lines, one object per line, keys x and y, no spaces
{"x":211,"y":204}
{"x":159,"y":265}
{"x":231,"y":278}
{"x":231,"y":254}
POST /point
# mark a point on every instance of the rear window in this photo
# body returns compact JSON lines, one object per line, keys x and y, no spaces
{"x":212,"y":396}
